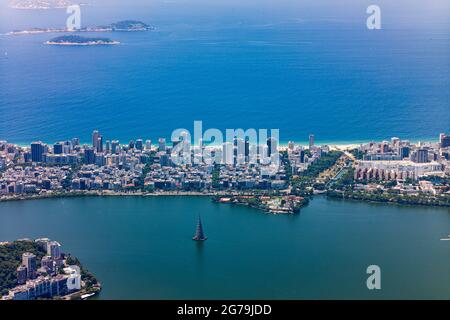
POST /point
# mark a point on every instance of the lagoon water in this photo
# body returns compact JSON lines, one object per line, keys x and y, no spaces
{"x":141,"y":248}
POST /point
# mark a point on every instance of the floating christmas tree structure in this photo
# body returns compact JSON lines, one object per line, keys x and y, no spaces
{"x":199,"y":234}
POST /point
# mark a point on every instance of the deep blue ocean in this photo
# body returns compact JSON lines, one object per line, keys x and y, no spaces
{"x":318,"y":70}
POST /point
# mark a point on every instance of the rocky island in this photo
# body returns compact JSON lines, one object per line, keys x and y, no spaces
{"x":130,"y":25}
{"x":80,"y":41}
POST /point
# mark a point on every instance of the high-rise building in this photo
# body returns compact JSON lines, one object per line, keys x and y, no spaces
{"x":58,"y":148}
{"x":384,"y":147}
{"x":161,"y":144}
{"x":272,"y":146}
{"x":37,"y":150}
{"x":48,"y":263}
{"x":75,"y":142}
{"x":42,"y":242}
{"x":95,"y":136}
{"x":395,"y":141}
{"x":404,"y":152}
{"x":302,"y":156}
{"x":108,"y":146}
{"x":444,"y":140}
{"x":421,"y":156}
{"x":239,"y":151}
{"x":247,"y":149}
{"x":66,"y":148}
{"x":2,"y":162}
{"x":148,"y":145}
{"x":89,"y":156}
{"x":29,"y":262}
{"x":291,"y":145}
{"x":21,"y":275}
{"x":139,"y":144}
{"x":227,"y":153}
{"x":54,"y":249}
{"x":311,"y":141}
{"x":186,"y":148}
{"x":99,"y":147}
{"x":164,"y":160}
{"x":115,"y":146}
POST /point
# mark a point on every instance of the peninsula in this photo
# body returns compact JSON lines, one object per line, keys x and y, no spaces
{"x":59,"y":277}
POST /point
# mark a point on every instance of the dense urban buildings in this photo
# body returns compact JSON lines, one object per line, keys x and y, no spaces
{"x":109,"y":166}
{"x":399,"y":160}
{"x":54,"y":278}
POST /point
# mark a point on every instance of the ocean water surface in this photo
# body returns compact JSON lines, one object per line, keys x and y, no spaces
{"x":232,"y":67}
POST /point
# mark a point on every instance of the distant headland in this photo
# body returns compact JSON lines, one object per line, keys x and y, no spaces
{"x":120,"y":26}
{"x":72,"y":40}
{"x":40,"y":4}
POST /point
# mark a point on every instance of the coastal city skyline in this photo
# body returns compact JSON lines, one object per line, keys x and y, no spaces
{"x":386,"y":160}
{"x":395,"y":171}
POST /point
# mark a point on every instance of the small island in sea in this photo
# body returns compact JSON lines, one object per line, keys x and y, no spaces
{"x":37,"y":269}
{"x":120,"y":26}
{"x":72,"y":40}
{"x":130,"y":25}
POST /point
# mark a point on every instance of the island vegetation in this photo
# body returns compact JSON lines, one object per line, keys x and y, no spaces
{"x":392,"y":197}
{"x":130,"y":25}
{"x":11,"y":258}
{"x":305,"y":182}
{"x":75,"y":40}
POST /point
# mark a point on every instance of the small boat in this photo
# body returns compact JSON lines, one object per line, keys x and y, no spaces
{"x":199,"y":234}
{"x":88,"y":295}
